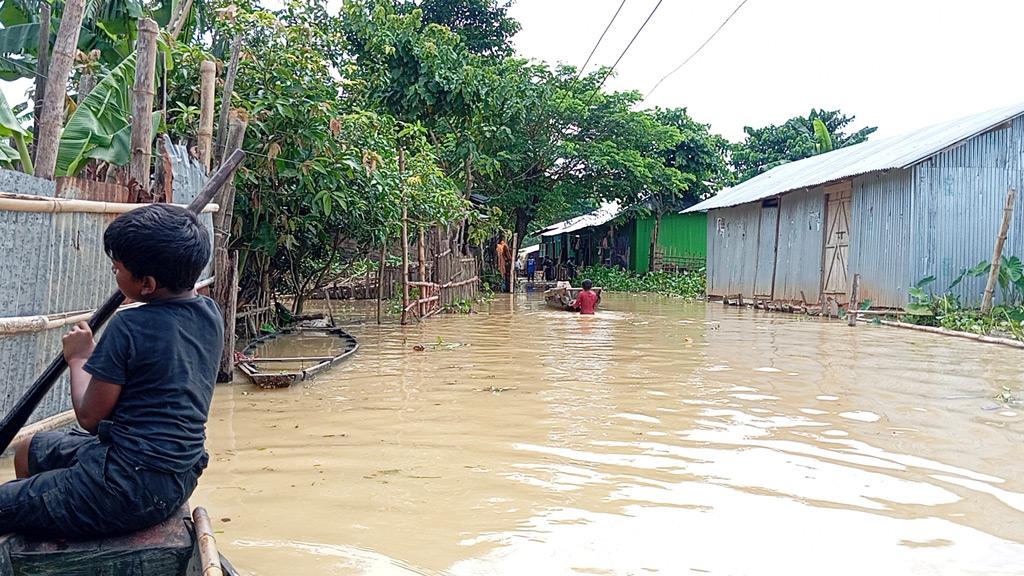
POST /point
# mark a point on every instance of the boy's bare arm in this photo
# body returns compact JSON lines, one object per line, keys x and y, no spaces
{"x":92,"y":399}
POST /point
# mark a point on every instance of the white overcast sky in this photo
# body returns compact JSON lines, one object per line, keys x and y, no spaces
{"x":895,"y":64}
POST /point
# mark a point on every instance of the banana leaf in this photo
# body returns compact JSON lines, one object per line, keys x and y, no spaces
{"x":8,"y":155}
{"x":824,"y":139}
{"x":100,"y":127}
{"x":10,"y":127}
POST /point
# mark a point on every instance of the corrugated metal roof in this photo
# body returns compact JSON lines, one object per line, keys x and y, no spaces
{"x":883,"y":154}
{"x":607,"y":212}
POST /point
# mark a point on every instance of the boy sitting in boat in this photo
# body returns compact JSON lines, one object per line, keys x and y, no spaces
{"x":141,"y":395}
{"x":588,"y":300}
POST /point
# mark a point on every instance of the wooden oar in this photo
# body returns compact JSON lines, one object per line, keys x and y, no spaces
{"x":13,"y":422}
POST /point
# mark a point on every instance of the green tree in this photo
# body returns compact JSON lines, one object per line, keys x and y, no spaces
{"x":773,"y":145}
{"x":485,"y":27}
{"x":700,"y":158}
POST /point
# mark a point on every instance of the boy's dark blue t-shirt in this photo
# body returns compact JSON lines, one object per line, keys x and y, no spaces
{"x":165,"y":357}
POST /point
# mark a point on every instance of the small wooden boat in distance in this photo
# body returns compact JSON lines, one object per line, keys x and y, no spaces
{"x":270,"y":366}
{"x":560,"y":297}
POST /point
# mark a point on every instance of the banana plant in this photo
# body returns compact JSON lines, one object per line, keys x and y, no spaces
{"x":10,"y":127}
{"x":100,"y":128}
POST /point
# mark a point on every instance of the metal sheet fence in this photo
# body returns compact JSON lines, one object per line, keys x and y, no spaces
{"x":50,"y":263}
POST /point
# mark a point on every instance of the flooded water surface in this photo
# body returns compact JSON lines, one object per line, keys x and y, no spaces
{"x":654,"y":437}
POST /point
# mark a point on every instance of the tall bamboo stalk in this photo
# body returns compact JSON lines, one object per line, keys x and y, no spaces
{"x":225,"y":261}
{"x":405,"y":238}
{"x":380,"y":280}
{"x":42,"y":67}
{"x":225,"y":99}
{"x":142,"y":103}
{"x":997,"y":253}
{"x":51,"y":117}
{"x":207,"y":72}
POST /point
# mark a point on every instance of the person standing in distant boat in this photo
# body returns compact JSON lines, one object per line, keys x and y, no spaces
{"x":588,"y":300}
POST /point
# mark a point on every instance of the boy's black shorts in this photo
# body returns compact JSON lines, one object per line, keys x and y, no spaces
{"x":79,"y":488}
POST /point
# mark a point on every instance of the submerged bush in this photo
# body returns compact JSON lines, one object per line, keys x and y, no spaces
{"x":689,"y":284}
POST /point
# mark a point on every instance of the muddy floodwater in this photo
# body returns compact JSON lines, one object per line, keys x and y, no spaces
{"x":655,"y":437}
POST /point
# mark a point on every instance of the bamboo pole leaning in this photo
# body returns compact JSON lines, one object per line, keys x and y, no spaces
{"x":225,"y":100}
{"x":142,"y":103}
{"x":51,"y":117}
{"x":225,"y":260}
{"x":997,"y":253}
{"x":380,"y":280}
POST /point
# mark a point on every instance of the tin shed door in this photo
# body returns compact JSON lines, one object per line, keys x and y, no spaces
{"x":767,"y":238}
{"x":837,"y":240}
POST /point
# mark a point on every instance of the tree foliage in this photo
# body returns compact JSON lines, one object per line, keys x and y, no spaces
{"x":797,"y":138}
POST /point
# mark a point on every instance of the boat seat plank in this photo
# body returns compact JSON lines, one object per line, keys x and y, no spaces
{"x":161,"y":550}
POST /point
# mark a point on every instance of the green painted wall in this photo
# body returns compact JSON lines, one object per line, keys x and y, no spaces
{"x":682,"y":236}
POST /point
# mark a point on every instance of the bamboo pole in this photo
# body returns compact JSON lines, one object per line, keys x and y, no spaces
{"x":40,"y":322}
{"x":380,"y":280}
{"x":142,"y":103}
{"x":207,"y":71}
{"x":851,"y":308}
{"x":225,"y":99}
{"x":512,"y":264}
{"x":405,"y":237}
{"x":209,"y":558}
{"x":997,"y":253}
{"x":225,"y":260}
{"x":42,"y":68}
{"x":421,"y":253}
{"x":51,"y":117}
{"x":180,"y":17}
{"x":41,"y":204}
{"x":945,"y":332}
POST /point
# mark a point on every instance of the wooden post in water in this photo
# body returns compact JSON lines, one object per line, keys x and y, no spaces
{"x":421,"y":254}
{"x":851,"y":308}
{"x":997,"y":253}
{"x":207,"y":71}
{"x":380,"y":280}
{"x":512,"y":264}
{"x":405,"y":238}
{"x":142,"y":103}
{"x":51,"y":117}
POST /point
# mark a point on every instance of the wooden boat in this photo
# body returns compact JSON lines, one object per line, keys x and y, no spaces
{"x":283,"y":371}
{"x":560,"y":297}
{"x":182,"y":545}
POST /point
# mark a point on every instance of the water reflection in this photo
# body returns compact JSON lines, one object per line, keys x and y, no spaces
{"x":655,"y":437}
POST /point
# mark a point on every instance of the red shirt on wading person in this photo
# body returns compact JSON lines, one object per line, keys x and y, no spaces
{"x":587,"y":300}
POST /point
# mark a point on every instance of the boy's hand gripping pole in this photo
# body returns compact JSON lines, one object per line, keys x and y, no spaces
{"x":13,"y":422}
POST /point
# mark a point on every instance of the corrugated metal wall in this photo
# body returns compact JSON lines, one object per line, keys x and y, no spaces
{"x":937,"y":218}
{"x":49,"y":264}
{"x":881,"y":245}
{"x":960,"y":196}
{"x":732,"y":249}
{"x":681,"y":236}
{"x":801,"y":237}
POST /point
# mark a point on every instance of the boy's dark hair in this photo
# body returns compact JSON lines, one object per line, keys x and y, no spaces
{"x":587,"y":284}
{"x":164,"y":241}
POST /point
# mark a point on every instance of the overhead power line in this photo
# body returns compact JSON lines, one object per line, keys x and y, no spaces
{"x":626,"y":49}
{"x":699,"y":48}
{"x":606,"y":28}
